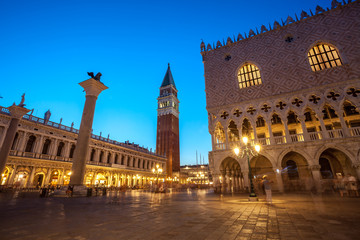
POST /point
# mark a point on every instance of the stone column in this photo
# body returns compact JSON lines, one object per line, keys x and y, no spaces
{"x":226,"y":138}
{"x":323,"y":128}
{"x":39,"y":144}
{"x":3,"y":135}
{"x":246,"y":180}
{"x":92,"y":88}
{"x":271,"y":135}
{"x":17,"y":113}
{"x":304,"y":129}
{"x":357,"y":168}
{"x":47,"y":178}
{"x":287,"y":134}
{"x":279,"y":180}
{"x":343,"y":124}
{"x":31,"y":177}
{"x":12,"y":176}
{"x":22,"y":142}
{"x":315,"y":170}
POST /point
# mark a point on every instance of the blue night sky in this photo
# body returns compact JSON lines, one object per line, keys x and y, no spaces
{"x":46,"y":48}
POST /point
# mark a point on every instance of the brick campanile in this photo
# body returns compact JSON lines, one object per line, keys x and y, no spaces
{"x":167,"y":136}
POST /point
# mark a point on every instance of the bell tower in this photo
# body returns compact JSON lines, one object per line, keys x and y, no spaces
{"x":167,"y":136}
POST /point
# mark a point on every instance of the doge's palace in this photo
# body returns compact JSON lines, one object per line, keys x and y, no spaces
{"x":294,"y":88}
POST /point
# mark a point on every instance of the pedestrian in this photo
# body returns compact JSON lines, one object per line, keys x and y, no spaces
{"x":267,"y":187}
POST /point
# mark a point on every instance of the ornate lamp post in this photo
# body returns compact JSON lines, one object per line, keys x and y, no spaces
{"x":158,"y":171}
{"x":249,"y":151}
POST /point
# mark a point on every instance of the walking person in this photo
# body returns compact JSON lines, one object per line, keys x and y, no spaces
{"x":267,"y":187}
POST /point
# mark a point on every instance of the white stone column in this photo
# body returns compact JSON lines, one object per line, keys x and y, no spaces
{"x":66,"y":150}
{"x":246,"y":179}
{"x":279,"y":180}
{"x":39,"y":144}
{"x":323,"y":128}
{"x":253,"y":124}
{"x":3,"y":134}
{"x":112,"y":159}
{"x":287,"y":133}
{"x":271,"y":135}
{"x":22,"y":141}
{"x":226,"y":137}
{"x":304,"y":128}
{"x":96,"y":155}
{"x":343,"y":124}
{"x":12,"y":176}
{"x":31,"y":178}
{"x":357,"y":168}
{"x":47,"y":178}
{"x":315,"y":170}
{"x":92,"y":88}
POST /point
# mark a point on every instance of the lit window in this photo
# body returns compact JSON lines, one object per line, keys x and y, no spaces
{"x":249,"y":75}
{"x":323,"y":56}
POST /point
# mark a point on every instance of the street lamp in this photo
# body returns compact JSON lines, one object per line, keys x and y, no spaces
{"x":158,"y":171}
{"x":248,"y":151}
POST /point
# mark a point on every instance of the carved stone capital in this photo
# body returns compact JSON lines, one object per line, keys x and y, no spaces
{"x":17,"y":111}
{"x":92,"y":87}
{"x":315,"y":167}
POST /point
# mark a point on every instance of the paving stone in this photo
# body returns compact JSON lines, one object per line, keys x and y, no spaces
{"x":201,"y":215}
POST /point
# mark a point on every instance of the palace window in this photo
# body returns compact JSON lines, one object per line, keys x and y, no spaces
{"x":323,"y":56}
{"x":249,"y":75}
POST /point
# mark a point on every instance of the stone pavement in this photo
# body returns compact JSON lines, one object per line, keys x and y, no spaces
{"x":197,"y":214}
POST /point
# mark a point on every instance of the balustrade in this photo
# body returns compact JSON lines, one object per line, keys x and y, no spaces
{"x":280,"y":140}
{"x":336,"y":133}
{"x":315,"y":136}
{"x":355,"y":131}
{"x":297,"y":137}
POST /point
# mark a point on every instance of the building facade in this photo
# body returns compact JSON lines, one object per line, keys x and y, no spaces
{"x":42,"y":153}
{"x":167,"y":136}
{"x":294,"y":88}
{"x":196,"y":174}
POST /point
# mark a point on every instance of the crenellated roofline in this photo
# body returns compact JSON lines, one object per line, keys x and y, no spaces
{"x":303,"y":15}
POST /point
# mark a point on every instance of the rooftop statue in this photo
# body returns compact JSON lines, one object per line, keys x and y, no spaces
{"x":96,"y":77}
{"x":21,"y":104}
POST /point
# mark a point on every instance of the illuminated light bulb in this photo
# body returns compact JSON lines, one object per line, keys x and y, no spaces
{"x":257,"y":147}
{"x":245,"y":140}
{"x":237,"y":151}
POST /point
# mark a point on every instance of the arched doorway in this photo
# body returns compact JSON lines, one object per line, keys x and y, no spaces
{"x":100,"y":180}
{"x":295,"y":172}
{"x":55,"y":177}
{"x":38,"y":180}
{"x":231,"y":179}
{"x":260,"y":166}
{"x":334,"y":164}
{"x":21,"y":178}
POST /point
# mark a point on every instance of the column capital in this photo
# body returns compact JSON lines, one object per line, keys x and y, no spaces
{"x":17,"y":111}
{"x":93,"y":87}
{"x":315,"y":167}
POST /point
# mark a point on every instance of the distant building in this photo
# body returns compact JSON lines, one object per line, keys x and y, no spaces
{"x":167,"y":136}
{"x":195,"y":174}
{"x":294,"y":88}
{"x":42,"y":153}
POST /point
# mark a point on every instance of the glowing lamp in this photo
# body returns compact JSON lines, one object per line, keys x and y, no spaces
{"x":257,"y":147}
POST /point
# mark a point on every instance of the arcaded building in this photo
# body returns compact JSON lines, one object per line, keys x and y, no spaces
{"x":294,"y":88}
{"x":42,"y":154}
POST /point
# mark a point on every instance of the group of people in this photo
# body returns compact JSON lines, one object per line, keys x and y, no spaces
{"x":346,"y":185}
